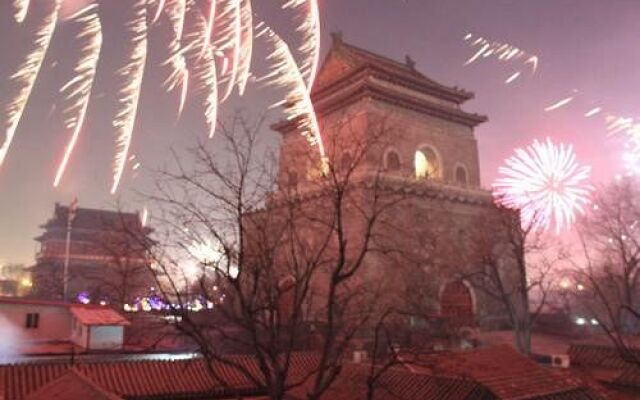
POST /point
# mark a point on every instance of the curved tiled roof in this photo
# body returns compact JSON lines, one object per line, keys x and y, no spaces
{"x":150,"y":378}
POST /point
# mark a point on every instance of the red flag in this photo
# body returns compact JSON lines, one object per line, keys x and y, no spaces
{"x":73,"y":207}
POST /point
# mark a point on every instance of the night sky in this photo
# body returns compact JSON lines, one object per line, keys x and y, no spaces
{"x":588,"y":46}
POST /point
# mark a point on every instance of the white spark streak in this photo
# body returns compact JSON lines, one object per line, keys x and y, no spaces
{"x":25,"y":76}
{"x":310,"y":29}
{"x":502,"y":51}
{"x":159,"y":8}
{"x":211,"y":20}
{"x":178,"y":74}
{"x":131,"y":75}
{"x":78,"y":90}
{"x":246,"y":45}
{"x":512,"y":78}
{"x":21,"y":8}
{"x":201,"y":62}
{"x":559,"y":104}
{"x":232,"y":38}
{"x":593,"y":112}
{"x":284,"y":73}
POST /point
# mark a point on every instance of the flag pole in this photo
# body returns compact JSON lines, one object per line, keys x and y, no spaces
{"x":70,"y":216}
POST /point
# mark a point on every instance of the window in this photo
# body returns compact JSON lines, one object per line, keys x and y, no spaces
{"x":32,"y":320}
{"x":461,"y":175}
{"x":427,"y":164}
{"x":392,"y":161}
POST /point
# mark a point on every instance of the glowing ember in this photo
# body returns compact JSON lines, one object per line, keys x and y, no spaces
{"x":546,"y":184}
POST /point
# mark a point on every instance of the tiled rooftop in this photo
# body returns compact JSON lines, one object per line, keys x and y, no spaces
{"x":508,"y":374}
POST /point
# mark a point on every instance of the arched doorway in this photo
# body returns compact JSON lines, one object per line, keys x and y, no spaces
{"x":457,"y":305}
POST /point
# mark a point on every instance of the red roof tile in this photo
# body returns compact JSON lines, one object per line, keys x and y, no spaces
{"x":507,"y":373}
{"x":146,"y":379}
{"x":395,"y":384}
{"x":98,"y":316}
{"x":72,"y":385}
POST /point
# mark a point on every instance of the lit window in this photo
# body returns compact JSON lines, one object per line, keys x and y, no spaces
{"x":392,"y":161}
{"x":427,"y":164}
{"x":461,"y":175}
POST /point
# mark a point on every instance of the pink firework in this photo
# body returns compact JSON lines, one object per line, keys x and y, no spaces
{"x":546,"y":183}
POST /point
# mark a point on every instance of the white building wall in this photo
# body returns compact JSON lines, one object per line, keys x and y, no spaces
{"x":54,"y":322}
{"x":106,"y":337}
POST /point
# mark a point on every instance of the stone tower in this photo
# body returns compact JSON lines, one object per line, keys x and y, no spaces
{"x":431,"y":152}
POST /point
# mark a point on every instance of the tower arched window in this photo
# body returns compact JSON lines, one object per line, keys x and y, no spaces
{"x":427,"y":163}
{"x":461,"y":175}
{"x":392,"y":161}
{"x":457,"y":304}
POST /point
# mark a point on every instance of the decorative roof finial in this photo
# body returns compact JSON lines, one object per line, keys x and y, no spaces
{"x":337,"y":38}
{"x":409,"y":61}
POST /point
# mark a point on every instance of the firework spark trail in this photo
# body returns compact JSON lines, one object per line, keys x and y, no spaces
{"x":284,"y":73}
{"x":559,"y":104}
{"x":25,"y":77}
{"x":159,"y":8}
{"x":502,"y":51}
{"x":630,"y":129}
{"x":310,"y":29}
{"x":593,"y":112}
{"x":230,"y":40}
{"x":547,"y":185}
{"x":201,"y":62}
{"x":512,"y":77}
{"x":21,"y":8}
{"x":246,"y":45}
{"x":211,"y":21}
{"x":131,"y":76}
{"x":178,"y":73}
{"x":78,"y":90}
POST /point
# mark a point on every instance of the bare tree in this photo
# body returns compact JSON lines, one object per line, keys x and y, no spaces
{"x":282,"y":269}
{"x":511,"y":265}
{"x":607,"y":269}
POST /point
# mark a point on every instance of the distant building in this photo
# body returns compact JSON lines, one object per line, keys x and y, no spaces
{"x":15,"y":280}
{"x":37,"y":326}
{"x":108,"y":258}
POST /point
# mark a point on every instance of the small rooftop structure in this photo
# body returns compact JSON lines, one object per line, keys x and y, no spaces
{"x":32,"y":324}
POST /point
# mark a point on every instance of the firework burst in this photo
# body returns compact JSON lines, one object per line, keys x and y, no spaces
{"x":547,"y":185}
